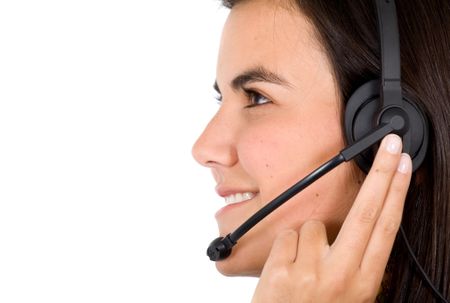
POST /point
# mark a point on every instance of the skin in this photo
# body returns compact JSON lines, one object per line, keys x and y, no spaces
{"x":292,"y":127}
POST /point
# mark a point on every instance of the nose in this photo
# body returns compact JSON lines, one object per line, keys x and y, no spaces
{"x":216,"y":145}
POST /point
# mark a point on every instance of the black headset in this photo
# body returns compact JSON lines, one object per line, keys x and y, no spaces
{"x":376,"y":109}
{"x":377,"y":101}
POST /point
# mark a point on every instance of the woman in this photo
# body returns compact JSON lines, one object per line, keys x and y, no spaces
{"x":284,"y":74}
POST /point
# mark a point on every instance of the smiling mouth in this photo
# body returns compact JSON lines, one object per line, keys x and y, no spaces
{"x":235,"y":200}
{"x":239,"y":197}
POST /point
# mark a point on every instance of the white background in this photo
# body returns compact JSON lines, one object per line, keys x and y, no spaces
{"x":100,"y":199}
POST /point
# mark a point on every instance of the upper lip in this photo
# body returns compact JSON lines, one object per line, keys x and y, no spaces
{"x":225,"y":191}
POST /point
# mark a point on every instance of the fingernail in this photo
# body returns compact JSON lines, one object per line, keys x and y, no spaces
{"x":404,"y":166}
{"x":393,"y":144}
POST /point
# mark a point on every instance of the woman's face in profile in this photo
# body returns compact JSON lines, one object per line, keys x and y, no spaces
{"x":278,"y":120}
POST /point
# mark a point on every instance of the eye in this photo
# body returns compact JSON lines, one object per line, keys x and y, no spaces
{"x":256,"y":98}
{"x":217,"y":94}
{"x":218,"y":97}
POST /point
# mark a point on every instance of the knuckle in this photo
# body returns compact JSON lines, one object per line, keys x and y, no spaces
{"x":308,"y":279}
{"x":390,"y":225}
{"x":279,"y":276}
{"x":283,"y":241}
{"x":312,"y":229}
{"x":368,"y":214}
{"x":286,"y":235}
{"x":386,"y":165}
{"x":311,"y":226}
{"x":399,"y":185}
{"x":339,"y":286}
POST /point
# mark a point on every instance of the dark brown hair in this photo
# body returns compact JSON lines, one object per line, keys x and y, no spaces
{"x":348,"y":32}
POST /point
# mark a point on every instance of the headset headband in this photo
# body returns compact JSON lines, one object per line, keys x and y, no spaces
{"x":391,"y":92}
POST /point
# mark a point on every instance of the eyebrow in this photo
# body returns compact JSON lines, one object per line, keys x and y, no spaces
{"x":256,"y":74}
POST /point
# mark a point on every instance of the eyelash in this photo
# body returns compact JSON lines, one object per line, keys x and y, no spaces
{"x":254,"y":95}
{"x":251,"y":96}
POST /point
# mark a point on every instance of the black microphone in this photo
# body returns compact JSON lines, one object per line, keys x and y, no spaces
{"x":395,"y":121}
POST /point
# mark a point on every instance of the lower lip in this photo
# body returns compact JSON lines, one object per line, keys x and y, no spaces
{"x":232,"y":206}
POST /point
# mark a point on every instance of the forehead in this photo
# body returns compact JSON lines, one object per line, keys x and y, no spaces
{"x":273,"y":34}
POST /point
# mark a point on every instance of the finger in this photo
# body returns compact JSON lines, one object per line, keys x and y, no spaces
{"x":380,"y":244}
{"x":311,"y":244}
{"x":284,"y":249}
{"x":357,"y":228}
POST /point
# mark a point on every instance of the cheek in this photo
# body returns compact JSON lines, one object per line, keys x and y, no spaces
{"x":261,"y":150}
{"x":279,"y":150}
{"x":277,"y":153}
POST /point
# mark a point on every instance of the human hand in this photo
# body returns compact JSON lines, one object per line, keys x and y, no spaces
{"x":303,"y":267}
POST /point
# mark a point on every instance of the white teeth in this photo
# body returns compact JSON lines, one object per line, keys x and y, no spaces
{"x":240,"y":197}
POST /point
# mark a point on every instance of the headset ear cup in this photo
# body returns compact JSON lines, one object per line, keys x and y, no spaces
{"x":418,"y":132}
{"x":362,"y":117}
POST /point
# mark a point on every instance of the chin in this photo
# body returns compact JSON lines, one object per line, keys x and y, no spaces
{"x":243,"y":262}
{"x":230,"y":269}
